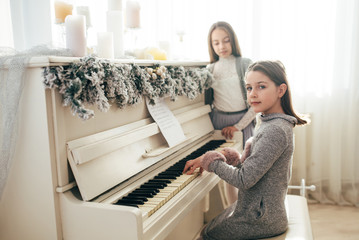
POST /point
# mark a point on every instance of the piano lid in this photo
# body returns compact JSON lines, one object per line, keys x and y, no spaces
{"x":103,"y":160}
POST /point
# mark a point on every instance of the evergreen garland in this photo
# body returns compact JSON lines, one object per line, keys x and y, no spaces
{"x":95,"y":81}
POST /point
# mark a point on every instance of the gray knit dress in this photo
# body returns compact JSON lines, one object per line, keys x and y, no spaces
{"x":262,"y":181}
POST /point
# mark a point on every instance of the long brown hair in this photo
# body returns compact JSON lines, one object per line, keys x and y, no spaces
{"x":236,"y":51}
{"x":275,"y":71}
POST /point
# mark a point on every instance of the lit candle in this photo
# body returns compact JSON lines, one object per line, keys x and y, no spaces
{"x":132,"y":14}
{"x":114,"y":5}
{"x":76,"y":34}
{"x":105,"y":45}
{"x":62,"y":9}
{"x":115,"y":25}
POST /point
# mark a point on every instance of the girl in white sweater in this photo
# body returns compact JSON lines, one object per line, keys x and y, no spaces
{"x":230,"y":111}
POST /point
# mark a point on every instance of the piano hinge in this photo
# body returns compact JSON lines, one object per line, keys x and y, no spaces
{"x":66,"y":187}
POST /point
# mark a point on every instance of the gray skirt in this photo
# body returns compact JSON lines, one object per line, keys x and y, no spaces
{"x":221,"y":120}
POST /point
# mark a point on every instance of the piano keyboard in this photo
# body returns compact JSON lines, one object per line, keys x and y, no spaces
{"x":153,"y":194}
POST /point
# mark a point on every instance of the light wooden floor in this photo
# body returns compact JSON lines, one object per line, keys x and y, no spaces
{"x":333,"y":222}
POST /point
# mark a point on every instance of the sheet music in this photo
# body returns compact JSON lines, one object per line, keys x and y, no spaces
{"x":168,"y":124}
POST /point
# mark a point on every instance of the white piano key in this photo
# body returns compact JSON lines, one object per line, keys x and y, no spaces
{"x":167,"y":193}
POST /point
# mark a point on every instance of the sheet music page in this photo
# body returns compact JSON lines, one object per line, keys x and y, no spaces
{"x":167,"y":122}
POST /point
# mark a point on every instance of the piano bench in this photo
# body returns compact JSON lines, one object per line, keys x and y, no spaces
{"x":299,"y":226}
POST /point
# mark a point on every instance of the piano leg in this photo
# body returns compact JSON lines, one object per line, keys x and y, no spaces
{"x":217,"y":202}
{"x":191,"y":226}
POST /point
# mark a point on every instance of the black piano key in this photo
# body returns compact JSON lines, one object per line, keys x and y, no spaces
{"x":127,"y":204}
{"x":154,"y":185}
{"x":176,"y":168}
{"x":172,"y":170}
{"x":144,"y":199}
{"x":150,"y":195}
{"x":133,"y":201}
{"x":165,"y":177}
{"x":160,"y":180}
{"x":173,"y":173}
{"x":162,"y":184}
{"x":147,"y":190}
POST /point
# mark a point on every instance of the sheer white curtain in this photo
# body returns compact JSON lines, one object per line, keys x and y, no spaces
{"x":331,"y":143}
{"x":6,"y":39}
{"x":31,"y":21}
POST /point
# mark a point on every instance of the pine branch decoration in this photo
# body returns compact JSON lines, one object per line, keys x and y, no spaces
{"x":95,"y":81}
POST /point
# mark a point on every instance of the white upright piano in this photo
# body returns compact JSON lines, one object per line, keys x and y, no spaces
{"x":75,"y":179}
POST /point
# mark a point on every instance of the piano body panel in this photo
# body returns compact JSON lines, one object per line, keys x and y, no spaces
{"x":29,"y":202}
{"x":191,"y":225}
{"x":88,"y":220}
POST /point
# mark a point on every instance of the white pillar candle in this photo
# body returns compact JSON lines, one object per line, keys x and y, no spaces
{"x":105,"y":45}
{"x":132,"y":14}
{"x":114,"y":5}
{"x":115,"y":25}
{"x":76,"y":34}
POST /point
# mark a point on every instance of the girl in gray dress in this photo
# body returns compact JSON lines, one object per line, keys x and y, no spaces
{"x":263,"y":171}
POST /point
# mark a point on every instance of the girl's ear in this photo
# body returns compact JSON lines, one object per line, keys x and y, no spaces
{"x":282,"y":89}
